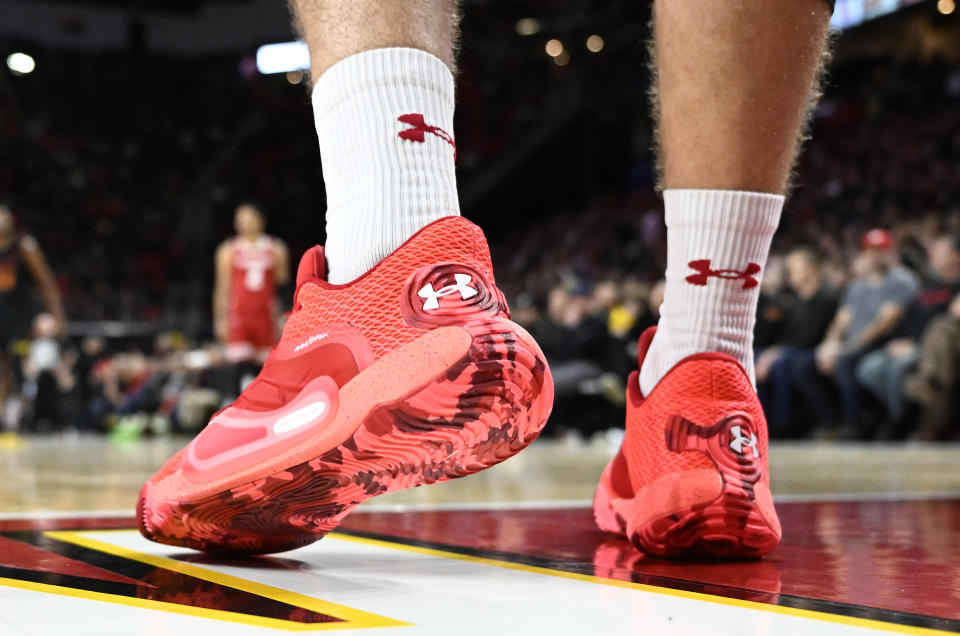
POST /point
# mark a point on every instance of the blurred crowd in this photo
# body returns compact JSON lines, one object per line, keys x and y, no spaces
{"x":858,"y":344}
{"x":126,"y":386}
{"x":863,"y":343}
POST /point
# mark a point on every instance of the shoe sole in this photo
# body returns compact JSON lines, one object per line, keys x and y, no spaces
{"x":721,"y":513}
{"x":485,"y":408}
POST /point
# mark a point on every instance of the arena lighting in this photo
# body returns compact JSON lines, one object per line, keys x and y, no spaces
{"x":528,"y":26}
{"x":283,"y":58}
{"x":21,"y":63}
{"x":554,"y":48}
{"x":850,"y":13}
{"x":595,"y":43}
{"x":946,"y":7}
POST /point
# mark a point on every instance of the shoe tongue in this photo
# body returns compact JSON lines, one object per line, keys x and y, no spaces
{"x":313,"y":266}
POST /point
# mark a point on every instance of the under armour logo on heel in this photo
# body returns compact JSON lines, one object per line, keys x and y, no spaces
{"x":432,"y":297}
{"x":419,"y":128}
{"x":741,"y":440}
{"x":704,"y":272}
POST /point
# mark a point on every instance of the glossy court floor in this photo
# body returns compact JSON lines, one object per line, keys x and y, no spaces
{"x":871,"y":545}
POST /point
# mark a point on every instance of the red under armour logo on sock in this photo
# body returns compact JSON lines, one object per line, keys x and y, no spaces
{"x":420,"y":128}
{"x":704,"y":272}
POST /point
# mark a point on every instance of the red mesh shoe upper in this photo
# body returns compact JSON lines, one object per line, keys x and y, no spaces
{"x":703,"y":389}
{"x":347,"y":327}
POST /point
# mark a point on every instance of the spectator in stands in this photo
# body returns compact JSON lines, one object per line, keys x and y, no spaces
{"x":772,"y":306}
{"x":935,"y":385}
{"x":576,"y":342}
{"x":573,"y":339}
{"x":47,"y":374}
{"x":882,"y":372}
{"x":804,"y":326}
{"x":872,"y":306}
{"x":638,"y":310}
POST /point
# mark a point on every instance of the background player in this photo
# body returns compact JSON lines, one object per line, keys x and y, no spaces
{"x":249,"y":269}
{"x":734,"y":85}
{"x":22,"y":265}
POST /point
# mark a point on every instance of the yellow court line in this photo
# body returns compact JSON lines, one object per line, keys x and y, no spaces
{"x":352,"y":618}
{"x":175,"y":608}
{"x":665,"y":591}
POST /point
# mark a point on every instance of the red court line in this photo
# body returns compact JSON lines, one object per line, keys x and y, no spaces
{"x":74,"y":523}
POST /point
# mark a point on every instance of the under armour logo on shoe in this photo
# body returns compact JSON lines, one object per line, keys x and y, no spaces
{"x":419,"y":129}
{"x":702,"y":267}
{"x":432,"y":297}
{"x":740,"y":439}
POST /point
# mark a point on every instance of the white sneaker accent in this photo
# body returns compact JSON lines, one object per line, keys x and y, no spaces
{"x":317,"y":337}
{"x":385,"y":123}
{"x":717,"y":246}
{"x":299,"y":418}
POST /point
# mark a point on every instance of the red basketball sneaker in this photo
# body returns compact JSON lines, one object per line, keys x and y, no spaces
{"x":409,"y":375}
{"x":691,"y":477}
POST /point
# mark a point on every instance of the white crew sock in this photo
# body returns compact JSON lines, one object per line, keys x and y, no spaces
{"x":385,"y":178}
{"x":706,"y":309}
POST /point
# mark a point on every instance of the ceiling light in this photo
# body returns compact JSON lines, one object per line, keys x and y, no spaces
{"x":21,"y":63}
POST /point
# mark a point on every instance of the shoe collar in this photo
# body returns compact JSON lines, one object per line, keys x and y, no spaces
{"x":634,"y":395}
{"x":313,"y":264}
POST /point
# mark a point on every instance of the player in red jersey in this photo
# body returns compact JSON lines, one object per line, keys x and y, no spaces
{"x":400,"y":365}
{"x":250,"y":267}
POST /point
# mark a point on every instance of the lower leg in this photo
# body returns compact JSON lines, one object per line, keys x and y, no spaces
{"x":872,"y":373}
{"x":845,"y":377}
{"x":735,"y":81}
{"x":938,"y":366}
{"x":381,"y":70}
{"x":336,"y":29}
{"x":734,"y":86}
{"x":782,"y":389}
{"x":897,"y":374}
{"x":939,"y":358}
{"x":814,"y":392}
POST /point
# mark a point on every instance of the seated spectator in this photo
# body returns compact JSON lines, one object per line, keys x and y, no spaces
{"x":92,"y":405}
{"x":638,"y":310}
{"x":935,"y":385}
{"x":47,"y":374}
{"x":573,"y":339}
{"x":772,"y":305}
{"x":882,"y":372}
{"x":872,"y":307}
{"x":577,"y":345}
{"x":804,"y":326}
